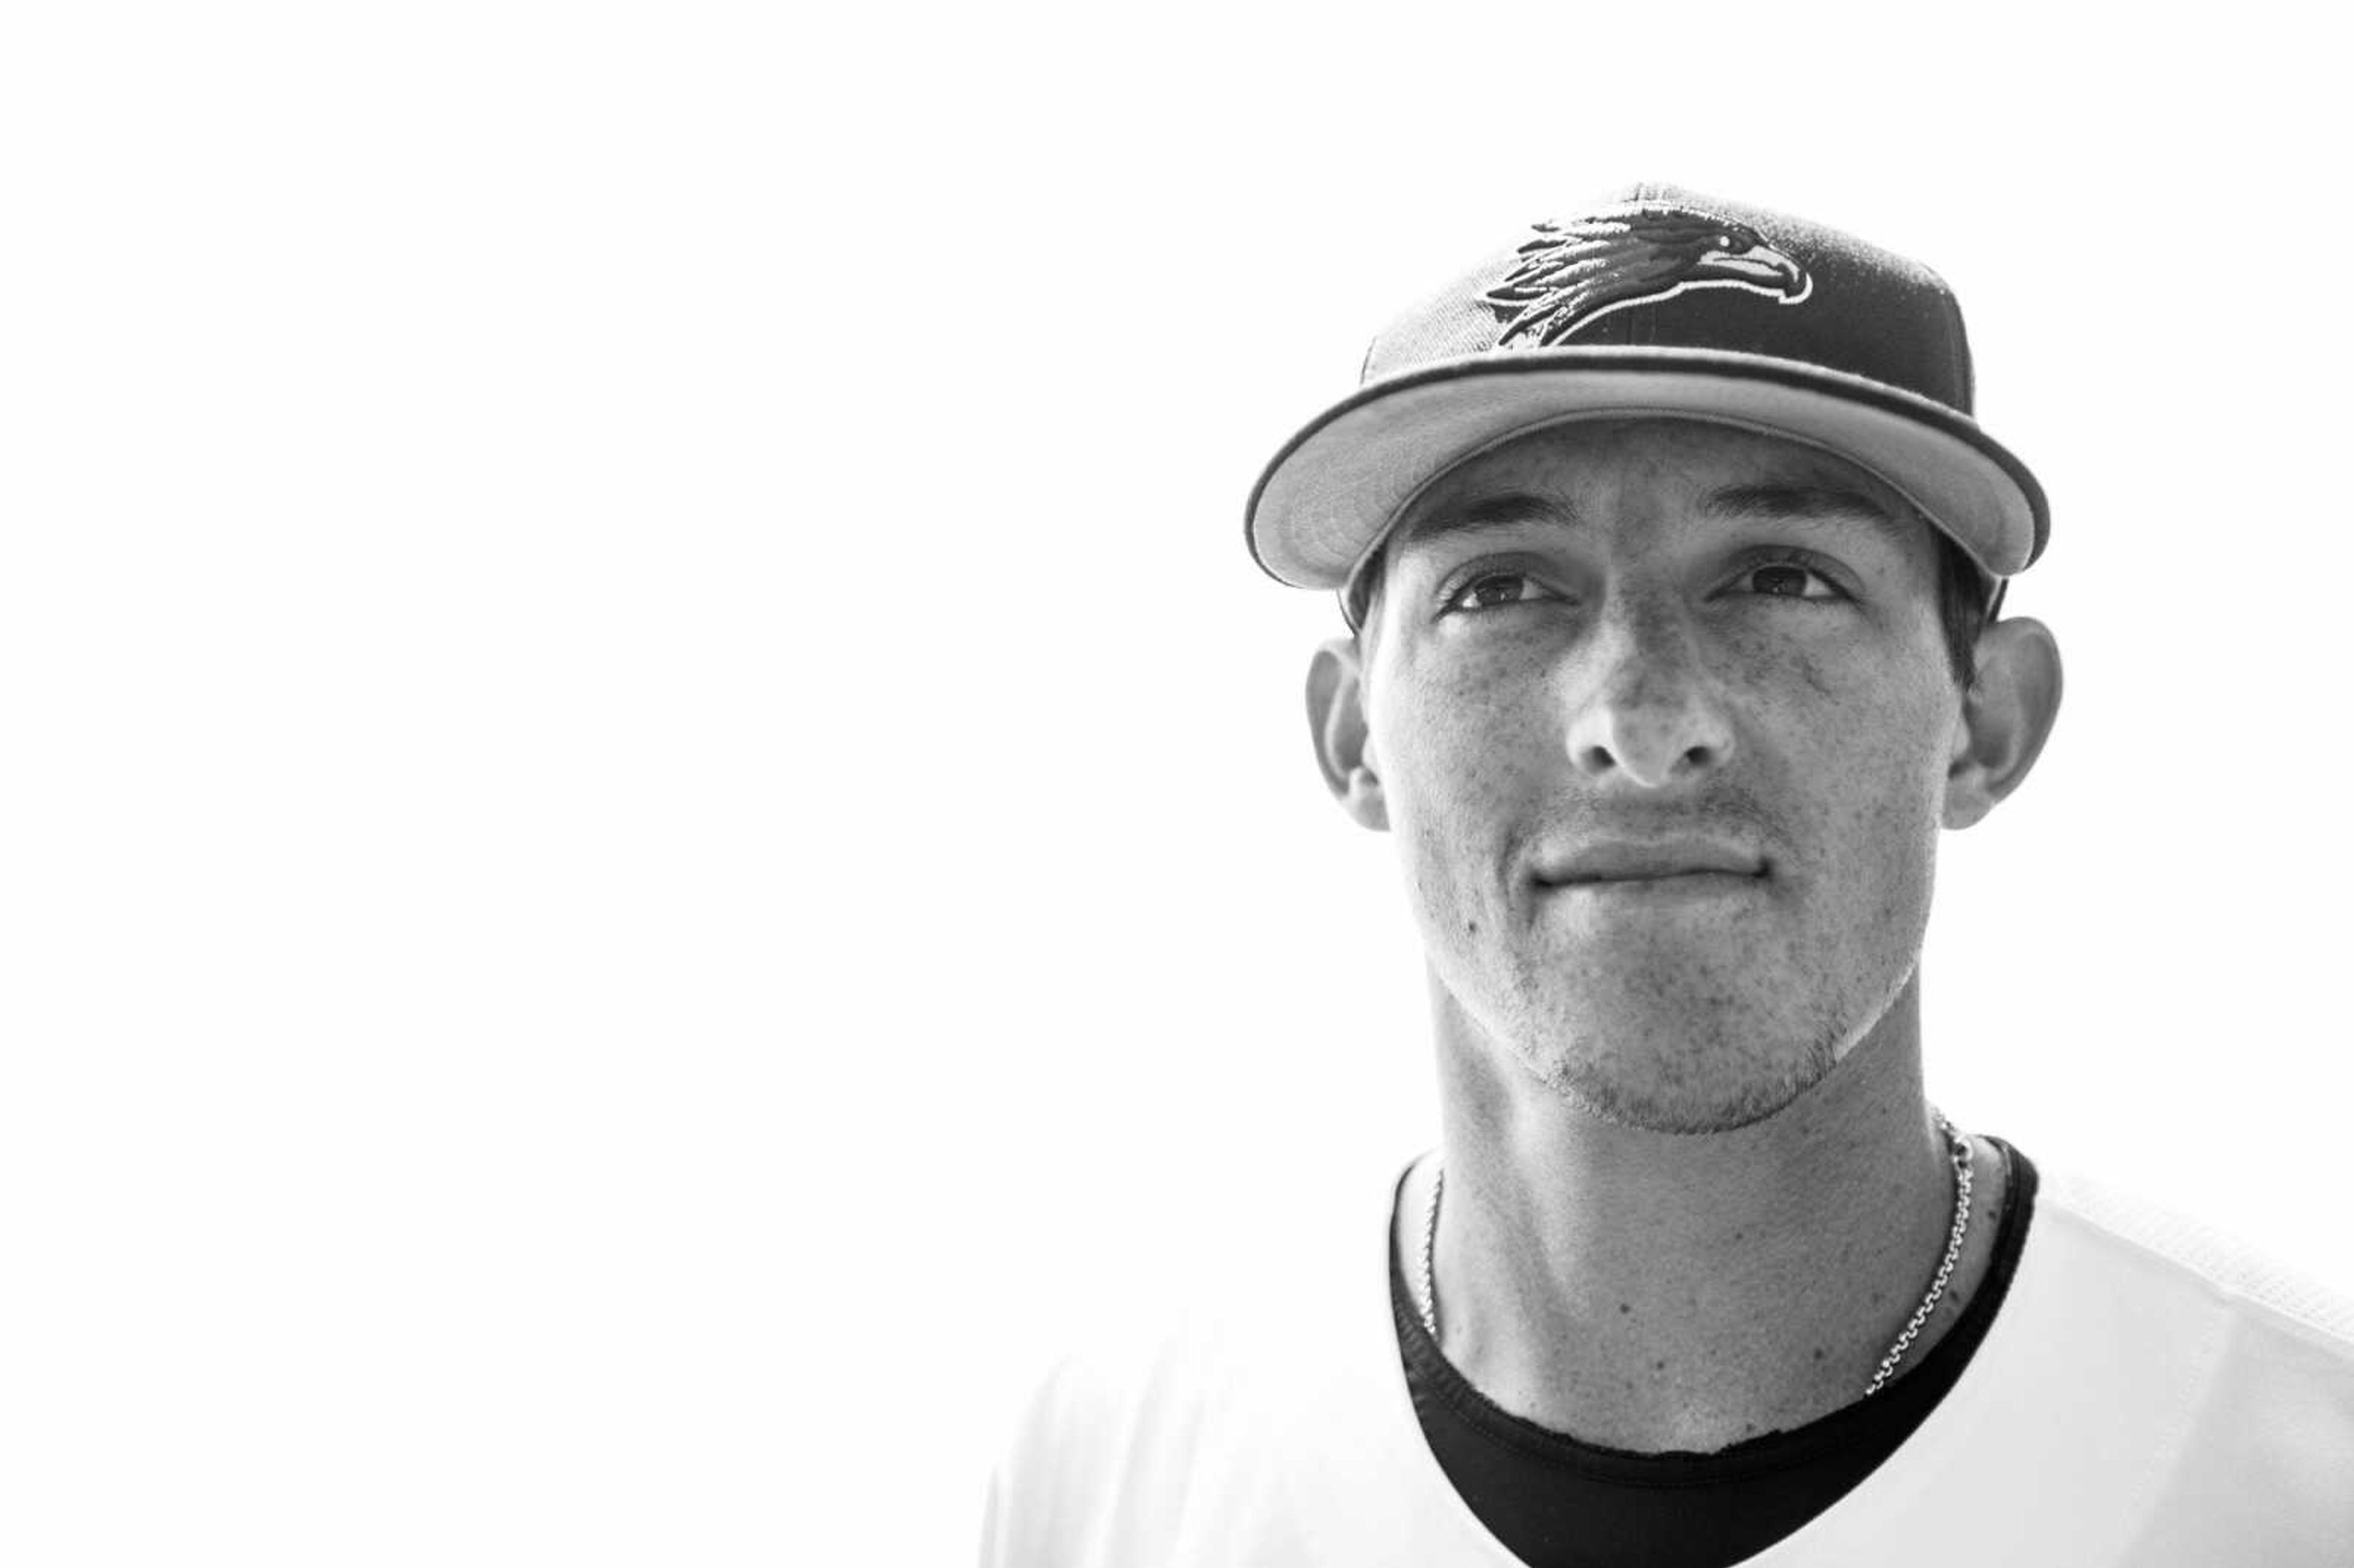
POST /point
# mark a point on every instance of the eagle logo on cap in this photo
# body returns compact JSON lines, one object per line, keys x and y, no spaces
{"x":1572,"y":274}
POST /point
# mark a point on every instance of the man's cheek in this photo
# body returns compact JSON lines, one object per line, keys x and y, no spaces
{"x":1882,"y":836}
{"x":1440,"y":835}
{"x":1449,"y":796}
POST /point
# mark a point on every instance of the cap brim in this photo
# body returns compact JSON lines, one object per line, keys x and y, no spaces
{"x":1331,"y":493}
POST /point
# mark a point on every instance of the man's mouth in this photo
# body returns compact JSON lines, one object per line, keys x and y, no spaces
{"x":1629,"y":863}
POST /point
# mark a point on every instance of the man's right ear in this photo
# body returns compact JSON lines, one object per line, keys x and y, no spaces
{"x":1336,"y":722}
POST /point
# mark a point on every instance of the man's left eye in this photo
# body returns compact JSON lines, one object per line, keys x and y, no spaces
{"x":1786,"y":579}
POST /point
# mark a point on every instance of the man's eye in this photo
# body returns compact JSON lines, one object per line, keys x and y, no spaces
{"x":1494,"y":589}
{"x":1786,"y":579}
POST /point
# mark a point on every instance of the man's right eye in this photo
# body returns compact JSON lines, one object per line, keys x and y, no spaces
{"x":1492,"y":591}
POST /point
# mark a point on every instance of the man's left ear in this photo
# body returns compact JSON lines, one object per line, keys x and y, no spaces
{"x":2006,"y":717}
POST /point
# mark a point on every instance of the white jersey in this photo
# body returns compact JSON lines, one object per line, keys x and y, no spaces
{"x":2147,"y":1394}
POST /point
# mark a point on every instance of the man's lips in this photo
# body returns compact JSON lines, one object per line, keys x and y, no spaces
{"x":1606,"y":861}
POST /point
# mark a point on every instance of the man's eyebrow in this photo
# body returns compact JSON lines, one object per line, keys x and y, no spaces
{"x":1815,"y":502}
{"x":1513,"y":509}
{"x":1772,"y":501}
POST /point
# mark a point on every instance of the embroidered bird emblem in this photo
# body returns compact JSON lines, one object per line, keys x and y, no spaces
{"x":1572,"y":274}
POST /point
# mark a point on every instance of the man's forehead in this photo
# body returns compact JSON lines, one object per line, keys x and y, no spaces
{"x":1556,"y":476}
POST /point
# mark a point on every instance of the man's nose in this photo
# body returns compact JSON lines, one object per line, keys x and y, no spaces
{"x":1649,"y":716}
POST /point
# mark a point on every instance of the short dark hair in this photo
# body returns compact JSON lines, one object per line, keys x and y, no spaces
{"x":1968,"y":598}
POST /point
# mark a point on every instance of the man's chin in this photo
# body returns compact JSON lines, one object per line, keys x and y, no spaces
{"x":1712,"y":1097}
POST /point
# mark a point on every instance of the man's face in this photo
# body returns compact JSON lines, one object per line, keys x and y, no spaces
{"x":1662,"y":716}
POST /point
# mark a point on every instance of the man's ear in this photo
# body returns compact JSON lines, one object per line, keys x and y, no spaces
{"x":1336,"y":722}
{"x":2006,"y":717}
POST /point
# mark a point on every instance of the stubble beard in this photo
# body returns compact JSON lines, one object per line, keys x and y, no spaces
{"x":1669,"y":1050}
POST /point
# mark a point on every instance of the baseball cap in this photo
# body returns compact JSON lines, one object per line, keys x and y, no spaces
{"x":1656,"y":303}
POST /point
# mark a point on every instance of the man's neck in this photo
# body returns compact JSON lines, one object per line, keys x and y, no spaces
{"x":1653,"y":1292}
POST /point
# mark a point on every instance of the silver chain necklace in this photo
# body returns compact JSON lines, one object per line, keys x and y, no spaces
{"x":1955,"y":1141}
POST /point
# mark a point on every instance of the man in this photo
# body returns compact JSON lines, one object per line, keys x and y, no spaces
{"x":1672,"y":560}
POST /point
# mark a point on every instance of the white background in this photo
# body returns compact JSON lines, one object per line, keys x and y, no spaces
{"x":656,"y":831}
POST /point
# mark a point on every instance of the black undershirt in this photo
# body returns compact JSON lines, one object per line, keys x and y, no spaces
{"x":1560,"y":1503}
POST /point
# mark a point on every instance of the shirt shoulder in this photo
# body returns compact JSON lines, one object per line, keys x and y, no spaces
{"x":1094,"y":1447}
{"x":1196,"y":1442}
{"x":1265,"y":1421}
{"x":2267,"y":1291}
{"x":2251,"y":1458}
